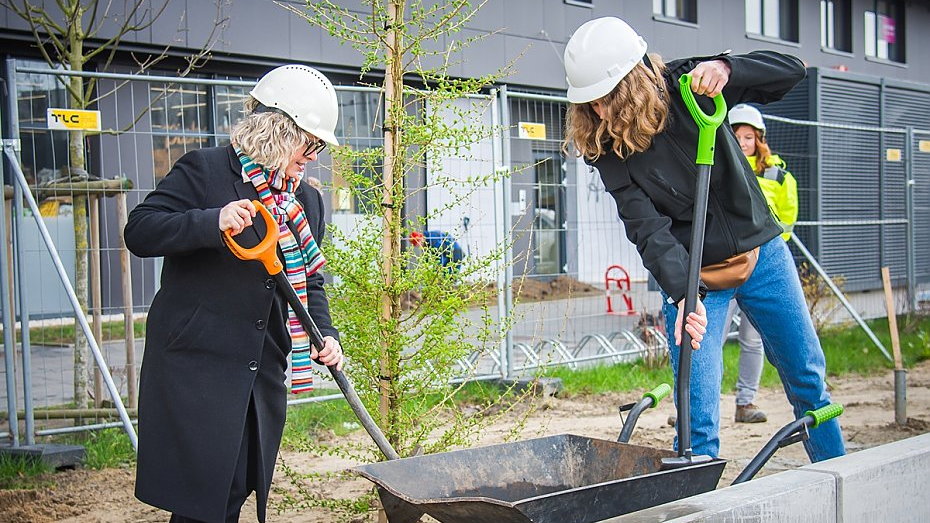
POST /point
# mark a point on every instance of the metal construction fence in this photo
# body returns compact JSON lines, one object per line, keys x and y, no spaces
{"x":578,"y":290}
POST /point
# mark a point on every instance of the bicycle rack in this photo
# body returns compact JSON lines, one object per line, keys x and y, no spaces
{"x":635,"y":344}
{"x":604,"y":346}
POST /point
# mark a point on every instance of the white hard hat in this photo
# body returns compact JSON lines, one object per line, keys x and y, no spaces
{"x":747,"y":114}
{"x":304,"y":94}
{"x":598,"y":55}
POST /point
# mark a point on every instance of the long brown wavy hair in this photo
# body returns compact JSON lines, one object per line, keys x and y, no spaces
{"x":636,"y":111}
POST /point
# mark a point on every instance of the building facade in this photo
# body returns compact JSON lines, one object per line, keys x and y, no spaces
{"x":573,"y":224}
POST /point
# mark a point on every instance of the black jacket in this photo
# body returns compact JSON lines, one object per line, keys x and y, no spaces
{"x":654,"y":189}
{"x":216,"y":339}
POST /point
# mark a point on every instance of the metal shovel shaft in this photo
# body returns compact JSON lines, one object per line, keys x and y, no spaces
{"x":696,"y":253}
{"x":707,"y":132}
{"x":316,"y":338}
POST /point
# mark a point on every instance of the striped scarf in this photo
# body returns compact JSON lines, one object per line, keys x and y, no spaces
{"x":301,"y":258}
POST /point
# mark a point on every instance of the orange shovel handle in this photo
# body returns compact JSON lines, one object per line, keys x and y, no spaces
{"x":267,"y":250}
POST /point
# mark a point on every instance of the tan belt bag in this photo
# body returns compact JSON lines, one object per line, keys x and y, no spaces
{"x":731,"y":272}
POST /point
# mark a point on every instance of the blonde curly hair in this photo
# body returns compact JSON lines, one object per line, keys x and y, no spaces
{"x":269,"y":138}
{"x":636,"y":111}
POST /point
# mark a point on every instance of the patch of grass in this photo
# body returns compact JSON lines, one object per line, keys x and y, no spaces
{"x":609,"y":378}
{"x":849,"y":349}
{"x":57,"y":335}
{"x":20,"y":473}
{"x":104,"y":448}
{"x":310,"y":419}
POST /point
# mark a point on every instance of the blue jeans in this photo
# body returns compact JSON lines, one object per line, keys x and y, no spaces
{"x":772,"y":300}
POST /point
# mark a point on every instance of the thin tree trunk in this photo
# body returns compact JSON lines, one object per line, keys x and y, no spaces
{"x":391,"y":199}
{"x":76,"y":163}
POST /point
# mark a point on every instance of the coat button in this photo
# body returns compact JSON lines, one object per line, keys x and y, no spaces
{"x":253,"y":365}
{"x":269,"y":283}
{"x":260,"y":324}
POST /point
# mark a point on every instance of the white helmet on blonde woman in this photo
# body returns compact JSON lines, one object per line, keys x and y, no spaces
{"x":304,"y":94}
{"x":747,"y":114}
{"x":598,"y":55}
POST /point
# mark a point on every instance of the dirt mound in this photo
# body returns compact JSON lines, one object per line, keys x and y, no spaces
{"x":530,"y":289}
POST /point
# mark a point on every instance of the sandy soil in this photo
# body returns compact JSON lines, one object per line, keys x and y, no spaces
{"x":106,"y":496}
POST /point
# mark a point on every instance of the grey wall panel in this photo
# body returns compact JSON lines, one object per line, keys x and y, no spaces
{"x":921,"y":175}
{"x":848,"y":102}
{"x":852,"y":252}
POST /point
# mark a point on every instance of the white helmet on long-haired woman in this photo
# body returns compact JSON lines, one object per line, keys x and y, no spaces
{"x":598,"y":55}
{"x":304,"y":94}
{"x":747,"y":114}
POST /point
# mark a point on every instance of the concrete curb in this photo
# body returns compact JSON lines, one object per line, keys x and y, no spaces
{"x":885,"y":483}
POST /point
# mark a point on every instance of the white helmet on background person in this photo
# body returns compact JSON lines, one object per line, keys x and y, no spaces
{"x":598,"y":55}
{"x":747,"y":114}
{"x":304,"y":94}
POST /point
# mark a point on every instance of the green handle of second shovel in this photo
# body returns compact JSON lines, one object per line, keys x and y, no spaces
{"x":707,"y":123}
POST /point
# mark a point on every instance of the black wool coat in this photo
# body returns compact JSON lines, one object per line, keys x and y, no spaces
{"x":216,"y":339}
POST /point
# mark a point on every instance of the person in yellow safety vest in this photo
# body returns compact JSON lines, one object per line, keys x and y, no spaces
{"x":778,"y":185}
{"x":781,"y":193}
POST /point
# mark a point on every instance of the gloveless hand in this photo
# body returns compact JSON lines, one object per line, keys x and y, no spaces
{"x":696,"y":326}
{"x":709,"y":78}
{"x":236,"y":216}
{"x":331,"y":353}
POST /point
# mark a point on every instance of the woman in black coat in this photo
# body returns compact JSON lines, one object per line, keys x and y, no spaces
{"x":212,"y":390}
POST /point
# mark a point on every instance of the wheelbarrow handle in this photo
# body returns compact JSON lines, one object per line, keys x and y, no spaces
{"x":789,"y":434}
{"x":649,"y":400}
{"x":267,"y":252}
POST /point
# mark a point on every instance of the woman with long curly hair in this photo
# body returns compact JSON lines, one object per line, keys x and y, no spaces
{"x":212,"y":394}
{"x":627,"y":119}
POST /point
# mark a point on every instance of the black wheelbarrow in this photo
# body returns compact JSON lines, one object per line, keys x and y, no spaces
{"x":574,"y":479}
{"x":558,"y":479}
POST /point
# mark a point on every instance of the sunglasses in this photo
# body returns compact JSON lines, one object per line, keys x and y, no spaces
{"x":314,"y":147}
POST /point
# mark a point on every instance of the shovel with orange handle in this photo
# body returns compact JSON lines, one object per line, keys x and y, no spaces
{"x":267,"y":252}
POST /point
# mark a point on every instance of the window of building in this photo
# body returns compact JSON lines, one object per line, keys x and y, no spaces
{"x":835,"y":25}
{"x":884,"y":30}
{"x":180,"y":119}
{"x":684,"y":10}
{"x":773,"y":18}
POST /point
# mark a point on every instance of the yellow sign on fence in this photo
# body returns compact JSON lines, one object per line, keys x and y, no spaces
{"x":924,"y":146}
{"x":893,"y":155}
{"x":533,"y":131}
{"x":72,"y":119}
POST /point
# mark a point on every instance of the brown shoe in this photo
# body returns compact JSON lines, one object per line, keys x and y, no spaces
{"x":750,"y":414}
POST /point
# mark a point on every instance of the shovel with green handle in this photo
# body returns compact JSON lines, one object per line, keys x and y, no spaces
{"x":707,"y":135}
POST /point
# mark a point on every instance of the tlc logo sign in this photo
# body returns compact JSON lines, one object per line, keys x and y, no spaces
{"x":72,"y":120}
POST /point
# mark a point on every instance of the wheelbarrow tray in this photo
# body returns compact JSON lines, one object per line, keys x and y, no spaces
{"x":556,"y":479}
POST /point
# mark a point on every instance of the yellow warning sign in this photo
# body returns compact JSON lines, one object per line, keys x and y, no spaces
{"x":924,"y":146}
{"x":532,"y":131}
{"x":72,"y":119}
{"x":893,"y":155}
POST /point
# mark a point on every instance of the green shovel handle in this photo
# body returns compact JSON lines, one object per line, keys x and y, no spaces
{"x":707,"y":123}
